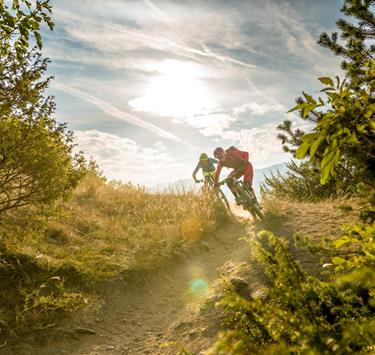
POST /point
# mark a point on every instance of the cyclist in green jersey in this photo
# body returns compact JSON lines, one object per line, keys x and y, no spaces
{"x":207,"y":165}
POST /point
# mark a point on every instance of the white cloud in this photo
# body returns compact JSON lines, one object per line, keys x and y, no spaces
{"x":260,"y":142}
{"x":117,"y":113}
{"x":123,"y":159}
{"x":156,"y":10}
{"x":214,"y":124}
{"x":254,"y":108}
{"x":298,"y":39}
{"x":173,"y":38}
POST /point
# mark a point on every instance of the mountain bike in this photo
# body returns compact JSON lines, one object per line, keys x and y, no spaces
{"x":218,"y":193}
{"x":248,"y":199}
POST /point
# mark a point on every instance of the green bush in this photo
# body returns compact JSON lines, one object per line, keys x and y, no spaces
{"x":299,"y":313}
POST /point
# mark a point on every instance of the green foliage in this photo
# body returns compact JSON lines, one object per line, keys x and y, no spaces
{"x":358,"y":48}
{"x":299,"y":313}
{"x":345,"y":129}
{"x":37,"y":164}
{"x":302,"y":183}
{"x":34,"y":293}
{"x":341,"y":143}
{"x":20,"y":21}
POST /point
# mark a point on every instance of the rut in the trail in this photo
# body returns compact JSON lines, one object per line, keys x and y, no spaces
{"x":154,"y":313}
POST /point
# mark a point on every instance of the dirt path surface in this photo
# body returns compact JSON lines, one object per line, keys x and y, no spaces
{"x":157,"y":313}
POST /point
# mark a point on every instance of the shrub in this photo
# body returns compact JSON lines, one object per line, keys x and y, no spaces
{"x":298,"y":313}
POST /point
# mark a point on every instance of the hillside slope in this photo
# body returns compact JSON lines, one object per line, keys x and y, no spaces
{"x":172,"y":309}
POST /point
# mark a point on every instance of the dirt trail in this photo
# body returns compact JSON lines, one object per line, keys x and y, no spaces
{"x":157,"y":313}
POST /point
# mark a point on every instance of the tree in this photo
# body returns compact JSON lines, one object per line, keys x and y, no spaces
{"x":341,"y":143}
{"x":37,"y":164}
{"x":36,"y":153}
{"x":359,"y":49}
{"x":20,"y":22}
{"x":345,"y":130}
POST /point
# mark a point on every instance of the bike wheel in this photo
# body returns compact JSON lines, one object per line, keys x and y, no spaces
{"x":222,"y":198}
{"x":250,"y":203}
{"x":257,"y":212}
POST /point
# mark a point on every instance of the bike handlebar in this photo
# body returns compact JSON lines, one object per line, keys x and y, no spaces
{"x":223,"y":182}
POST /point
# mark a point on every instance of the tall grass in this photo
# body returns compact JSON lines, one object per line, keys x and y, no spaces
{"x":104,"y":230}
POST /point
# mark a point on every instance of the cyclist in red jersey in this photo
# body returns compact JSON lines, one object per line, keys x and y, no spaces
{"x":237,"y":160}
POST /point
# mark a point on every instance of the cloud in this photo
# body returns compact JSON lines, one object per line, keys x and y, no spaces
{"x":209,"y":125}
{"x":123,"y":159}
{"x":260,"y":142}
{"x":254,"y":108}
{"x":156,"y":9}
{"x":298,"y":39}
{"x":117,"y":113}
{"x":109,"y":37}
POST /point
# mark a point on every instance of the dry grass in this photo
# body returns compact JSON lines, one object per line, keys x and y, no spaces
{"x":104,"y":230}
{"x":318,"y":221}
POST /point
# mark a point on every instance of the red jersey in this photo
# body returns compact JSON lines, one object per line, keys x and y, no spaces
{"x":234,"y":159}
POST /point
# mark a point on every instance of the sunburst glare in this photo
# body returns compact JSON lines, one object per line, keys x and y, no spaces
{"x":178,"y":91}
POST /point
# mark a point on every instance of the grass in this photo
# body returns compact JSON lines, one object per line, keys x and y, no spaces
{"x":49,"y":260}
{"x":324,"y":313}
{"x":318,"y":221}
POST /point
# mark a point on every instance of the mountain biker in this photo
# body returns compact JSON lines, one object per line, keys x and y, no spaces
{"x":207,"y":165}
{"x":237,"y":160}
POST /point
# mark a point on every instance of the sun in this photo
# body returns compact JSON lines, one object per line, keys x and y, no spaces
{"x":178,"y":91}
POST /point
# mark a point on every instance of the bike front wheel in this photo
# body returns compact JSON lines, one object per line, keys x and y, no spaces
{"x":250,"y":203}
{"x":222,"y":198}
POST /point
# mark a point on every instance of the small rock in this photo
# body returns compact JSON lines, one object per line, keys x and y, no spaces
{"x":193,"y":333}
{"x":182,"y":325}
{"x":241,"y":287}
{"x":82,"y":330}
{"x":205,"y":331}
{"x":109,"y":347}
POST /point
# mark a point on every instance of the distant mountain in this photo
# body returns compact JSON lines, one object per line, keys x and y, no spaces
{"x":259,"y":177}
{"x":259,"y":174}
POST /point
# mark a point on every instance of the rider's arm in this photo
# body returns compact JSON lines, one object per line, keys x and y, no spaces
{"x":217,"y":173}
{"x":195,"y":172}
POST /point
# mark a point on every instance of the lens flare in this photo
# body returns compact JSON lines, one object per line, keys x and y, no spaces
{"x":198,"y":287}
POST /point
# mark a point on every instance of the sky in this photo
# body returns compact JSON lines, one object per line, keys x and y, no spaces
{"x":147,"y":85}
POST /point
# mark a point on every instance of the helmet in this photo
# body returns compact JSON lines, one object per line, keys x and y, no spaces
{"x":218,"y":152}
{"x":203,"y":157}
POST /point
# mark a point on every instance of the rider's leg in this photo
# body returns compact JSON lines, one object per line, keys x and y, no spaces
{"x":234,"y":192}
{"x":232,"y":188}
{"x":248,"y":179}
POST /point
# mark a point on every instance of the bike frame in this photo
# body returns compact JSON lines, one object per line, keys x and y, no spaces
{"x":247,"y":198}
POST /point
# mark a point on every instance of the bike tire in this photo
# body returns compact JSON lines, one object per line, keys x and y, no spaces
{"x":258,"y":212}
{"x":250,"y":203}
{"x":221,"y":196}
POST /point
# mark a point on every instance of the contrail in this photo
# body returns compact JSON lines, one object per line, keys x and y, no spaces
{"x":162,"y":43}
{"x":155,"y":8}
{"x":117,"y":113}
